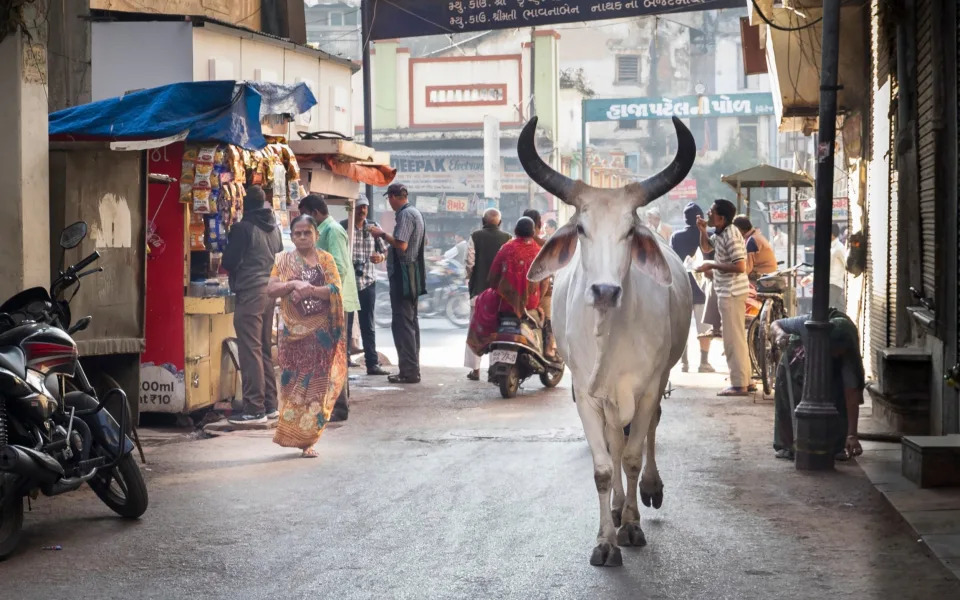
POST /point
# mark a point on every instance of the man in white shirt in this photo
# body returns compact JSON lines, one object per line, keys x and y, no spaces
{"x":838,"y":268}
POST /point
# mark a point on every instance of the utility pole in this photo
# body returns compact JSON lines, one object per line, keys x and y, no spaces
{"x":816,"y":415}
{"x":365,"y":18}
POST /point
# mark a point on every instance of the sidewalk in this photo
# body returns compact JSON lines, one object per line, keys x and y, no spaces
{"x":934,"y":513}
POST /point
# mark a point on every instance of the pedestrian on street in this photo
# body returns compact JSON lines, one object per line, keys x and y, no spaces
{"x":252,"y":246}
{"x":406,"y":271}
{"x":481,"y":250}
{"x":732,"y":286}
{"x":846,"y":383}
{"x":332,"y":238}
{"x":550,"y":228}
{"x":838,"y":268}
{"x":655,"y":223}
{"x":685,"y":243}
{"x":312,"y":345}
{"x":761,"y":258}
{"x":367,"y":251}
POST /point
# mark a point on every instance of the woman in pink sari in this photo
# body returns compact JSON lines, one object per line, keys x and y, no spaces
{"x":508,"y":291}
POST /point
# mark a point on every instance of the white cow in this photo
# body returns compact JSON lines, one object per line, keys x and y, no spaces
{"x":621,"y":314}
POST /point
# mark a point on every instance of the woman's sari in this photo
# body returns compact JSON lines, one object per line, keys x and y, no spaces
{"x":312,"y":353}
{"x":513,"y":292}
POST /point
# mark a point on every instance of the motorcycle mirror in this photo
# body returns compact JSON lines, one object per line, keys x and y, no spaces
{"x":73,"y":235}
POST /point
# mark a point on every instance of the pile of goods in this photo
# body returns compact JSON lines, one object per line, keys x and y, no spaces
{"x":213,"y":180}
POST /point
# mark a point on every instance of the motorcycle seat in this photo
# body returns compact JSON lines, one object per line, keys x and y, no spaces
{"x":13,"y":360}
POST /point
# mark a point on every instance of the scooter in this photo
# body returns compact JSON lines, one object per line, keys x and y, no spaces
{"x":55,"y":435}
{"x":516,"y":353}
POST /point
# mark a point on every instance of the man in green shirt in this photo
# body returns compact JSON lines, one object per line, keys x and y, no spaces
{"x":333,"y":239}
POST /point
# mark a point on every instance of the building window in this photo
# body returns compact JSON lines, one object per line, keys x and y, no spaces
{"x":631,"y":124}
{"x":336,"y":19}
{"x":632,"y":162}
{"x":467,"y":95}
{"x":749,"y":134}
{"x":705,"y":134}
{"x":351,"y":18}
{"x":628,"y":69}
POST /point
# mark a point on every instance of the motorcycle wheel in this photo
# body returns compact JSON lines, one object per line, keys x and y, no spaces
{"x":382,"y":310}
{"x":11,"y":518}
{"x":510,"y":382}
{"x":458,"y":309}
{"x":122,"y":489}
{"x":551,"y":377}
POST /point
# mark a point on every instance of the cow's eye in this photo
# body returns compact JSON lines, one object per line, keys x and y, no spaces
{"x":580,"y":229}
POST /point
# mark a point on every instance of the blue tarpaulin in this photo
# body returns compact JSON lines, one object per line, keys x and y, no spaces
{"x":222,"y":111}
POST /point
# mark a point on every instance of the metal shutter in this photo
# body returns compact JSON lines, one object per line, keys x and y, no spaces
{"x":926,"y":143}
{"x":893,"y":217}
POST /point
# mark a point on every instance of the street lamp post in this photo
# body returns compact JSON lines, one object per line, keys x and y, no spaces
{"x":816,"y":415}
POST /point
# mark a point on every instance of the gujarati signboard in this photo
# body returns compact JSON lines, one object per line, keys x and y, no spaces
{"x":719,"y":105}
{"x":410,"y":18}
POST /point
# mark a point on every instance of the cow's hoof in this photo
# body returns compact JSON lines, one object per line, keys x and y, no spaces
{"x":630,"y":535}
{"x":652,"y":497}
{"x":617,"y":516}
{"x":606,"y":555}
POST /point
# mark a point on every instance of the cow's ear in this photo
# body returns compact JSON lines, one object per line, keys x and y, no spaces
{"x":648,"y":256}
{"x":555,"y":254}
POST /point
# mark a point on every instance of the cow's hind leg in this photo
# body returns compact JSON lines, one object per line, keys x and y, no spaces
{"x":651,"y":486}
{"x":631,"y":534}
{"x":606,"y":553}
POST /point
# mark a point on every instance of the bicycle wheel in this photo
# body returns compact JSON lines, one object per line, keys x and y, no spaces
{"x":770,"y":355}
{"x":754,"y":343}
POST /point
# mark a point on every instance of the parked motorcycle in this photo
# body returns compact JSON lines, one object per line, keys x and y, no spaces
{"x":447,"y":296}
{"x":54,"y":432}
{"x":516,"y":353}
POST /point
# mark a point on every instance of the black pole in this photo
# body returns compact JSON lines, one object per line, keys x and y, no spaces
{"x":367,"y":88}
{"x":816,"y":415}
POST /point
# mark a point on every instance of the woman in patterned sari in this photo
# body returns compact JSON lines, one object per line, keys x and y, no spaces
{"x":509,"y":290}
{"x":313,"y":351}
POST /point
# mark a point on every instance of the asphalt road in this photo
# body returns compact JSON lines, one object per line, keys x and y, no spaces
{"x":444,"y":490}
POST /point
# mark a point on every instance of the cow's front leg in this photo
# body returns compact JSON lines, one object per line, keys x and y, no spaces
{"x":651,"y":486}
{"x":613,"y":433}
{"x":631,"y":534}
{"x":606,"y":552}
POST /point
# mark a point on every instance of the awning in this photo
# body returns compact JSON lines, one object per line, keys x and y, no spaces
{"x":222,"y":111}
{"x":766,"y":176}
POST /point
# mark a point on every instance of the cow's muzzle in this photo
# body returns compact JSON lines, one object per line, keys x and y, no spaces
{"x":606,"y":295}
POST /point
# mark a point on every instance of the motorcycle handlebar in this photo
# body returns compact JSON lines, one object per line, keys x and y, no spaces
{"x":85,"y":262}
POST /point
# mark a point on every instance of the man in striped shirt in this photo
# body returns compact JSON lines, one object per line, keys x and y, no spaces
{"x":729,"y":269}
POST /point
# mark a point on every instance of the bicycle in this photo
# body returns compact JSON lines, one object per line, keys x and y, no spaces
{"x":764,"y":353}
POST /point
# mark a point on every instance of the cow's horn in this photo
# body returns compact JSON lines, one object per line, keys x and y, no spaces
{"x":540,"y":172}
{"x":650,"y":189}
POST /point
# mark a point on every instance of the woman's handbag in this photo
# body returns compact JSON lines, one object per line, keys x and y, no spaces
{"x":309,"y":307}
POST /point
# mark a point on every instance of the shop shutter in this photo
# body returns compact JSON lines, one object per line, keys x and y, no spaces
{"x":926,"y":143}
{"x":893,"y":218}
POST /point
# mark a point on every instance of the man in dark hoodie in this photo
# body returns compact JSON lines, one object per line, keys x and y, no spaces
{"x":251,"y":249}
{"x":685,"y":243}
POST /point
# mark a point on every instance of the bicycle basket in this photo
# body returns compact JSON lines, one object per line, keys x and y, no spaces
{"x":772,"y":284}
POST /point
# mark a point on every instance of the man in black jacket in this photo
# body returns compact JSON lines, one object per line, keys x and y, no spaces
{"x":481,"y":250}
{"x":251,"y":250}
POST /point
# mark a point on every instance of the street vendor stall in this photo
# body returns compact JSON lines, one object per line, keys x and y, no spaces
{"x":202,"y":143}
